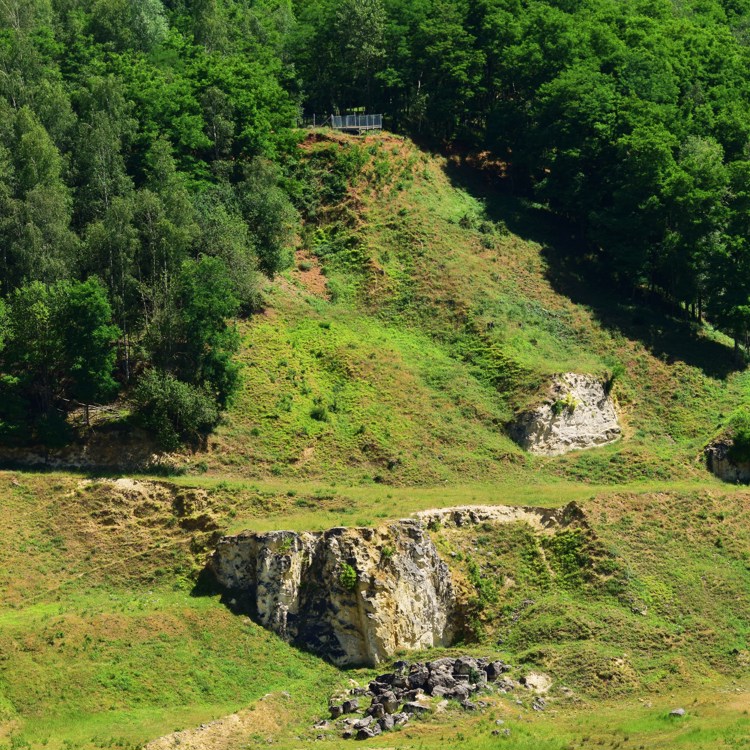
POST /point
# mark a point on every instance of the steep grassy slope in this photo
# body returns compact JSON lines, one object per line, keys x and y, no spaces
{"x":424,"y":307}
{"x":415,"y":323}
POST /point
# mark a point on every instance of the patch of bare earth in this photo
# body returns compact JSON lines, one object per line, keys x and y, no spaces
{"x":309,"y":274}
{"x":264,"y":718}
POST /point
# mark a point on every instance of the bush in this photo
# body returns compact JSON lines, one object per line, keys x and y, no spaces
{"x":348,"y":577}
{"x":566,"y":403}
{"x":740,"y":428}
{"x":319,"y":413}
{"x":175,"y":412}
{"x":616,"y":372}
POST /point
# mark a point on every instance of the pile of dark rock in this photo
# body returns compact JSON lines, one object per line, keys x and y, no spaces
{"x":399,"y":695}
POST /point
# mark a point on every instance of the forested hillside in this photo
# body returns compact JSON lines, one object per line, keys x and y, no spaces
{"x":630,"y":119}
{"x":151,"y":175}
{"x":140,"y":200}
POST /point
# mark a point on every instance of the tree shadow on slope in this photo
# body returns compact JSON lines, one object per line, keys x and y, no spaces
{"x":574,"y":271}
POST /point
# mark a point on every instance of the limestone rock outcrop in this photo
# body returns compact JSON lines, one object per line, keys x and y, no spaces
{"x":354,"y":595}
{"x":577,"y":413}
{"x":357,"y":596}
{"x":720,"y":463}
{"x":540,"y":519}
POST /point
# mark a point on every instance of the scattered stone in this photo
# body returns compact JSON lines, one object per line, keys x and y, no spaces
{"x":377,"y":710}
{"x":387,"y":722}
{"x":441,"y":707}
{"x":416,"y":709}
{"x":465,"y":665}
{"x":410,"y":686}
{"x":390,"y":702}
{"x":494,"y":669}
{"x":418,"y":676}
{"x":350,"y":706}
{"x":677,"y":712}
{"x":537,"y":681}
{"x":370,"y":731}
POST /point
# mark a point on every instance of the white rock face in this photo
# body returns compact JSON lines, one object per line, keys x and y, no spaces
{"x":578,"y":413}
{"x":296,"y":584}
{"x":400,"y":594}
{"x":540,"y":519}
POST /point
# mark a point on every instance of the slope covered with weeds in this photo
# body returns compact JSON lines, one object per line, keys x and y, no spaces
{"x":425,"y":307}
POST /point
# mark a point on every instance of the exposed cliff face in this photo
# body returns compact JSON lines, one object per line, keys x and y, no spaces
{"x":354,"y":595}
{"x":359,"y":595}
{"x":540,"y":519}
{"x":718,"y":462}
{"x":578,"y":413}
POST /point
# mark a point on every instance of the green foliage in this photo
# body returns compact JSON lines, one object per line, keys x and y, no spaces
{"x":270,"y":215}
{"x":485,"y":586}
{"x":59,"y":346}
{"x":129,"y":150}
{"x":87,"y":335}
{"x":567,"y":403}
{"x":174,"y":411}
{"x":202,"y":346}
{"x":347,"y":577}
{"x":569,"y":556}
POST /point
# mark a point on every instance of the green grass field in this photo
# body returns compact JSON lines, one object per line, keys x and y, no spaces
{"x":424,"y":307}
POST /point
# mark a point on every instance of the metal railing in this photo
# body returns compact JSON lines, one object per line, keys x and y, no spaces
{"x":357,"y":122}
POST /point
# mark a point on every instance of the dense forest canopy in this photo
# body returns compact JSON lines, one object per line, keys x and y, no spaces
{"x":148,"y":171}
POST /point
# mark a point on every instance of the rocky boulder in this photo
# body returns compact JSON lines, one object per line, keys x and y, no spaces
{"x":720,"y":463}
{"x":577,"y":413}
{"x":395,"y":701}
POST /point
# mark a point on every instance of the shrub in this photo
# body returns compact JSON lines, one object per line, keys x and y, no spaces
{"x":348,"y":577}
{"x":485,"y":587}
{"x":387,"y":552}
{"x":566,"y":403}
{"x":174,"y":411}
{"x":616,"y":371}
{"x":319,"y":413}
